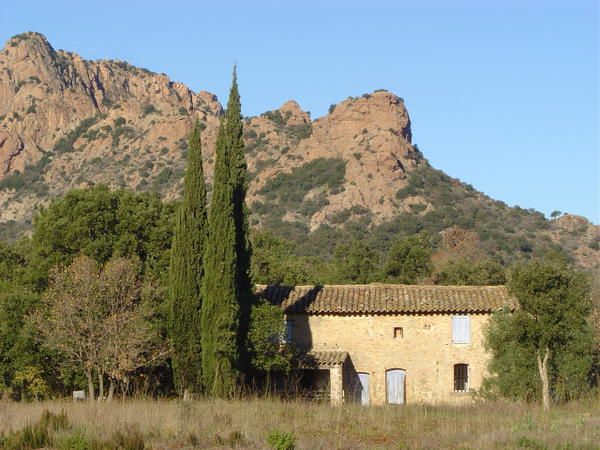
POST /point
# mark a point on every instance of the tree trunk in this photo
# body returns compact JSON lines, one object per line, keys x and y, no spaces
{"x":90,"y":380}
{"x":100,"y":386}
{"x":111,"y":391}
{"x":543,"y":369}
{"x":186,"y":395}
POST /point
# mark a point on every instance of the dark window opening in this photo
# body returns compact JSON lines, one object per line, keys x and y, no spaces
{"x":461,"y":377}
{"x":398,"y":332}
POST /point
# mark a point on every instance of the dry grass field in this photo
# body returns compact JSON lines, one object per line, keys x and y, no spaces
{"x":247,"y":424}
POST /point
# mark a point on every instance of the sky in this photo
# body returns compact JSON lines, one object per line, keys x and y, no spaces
{"x":503,"y":95}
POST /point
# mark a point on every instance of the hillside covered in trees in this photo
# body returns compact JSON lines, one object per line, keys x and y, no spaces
{"x":352,"y":175}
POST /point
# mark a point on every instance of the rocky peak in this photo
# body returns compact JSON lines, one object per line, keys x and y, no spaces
{"x":295,"y":114}
{"x":211,"y":101}
{"x":571,"y":222}
{"x":385,"y":110}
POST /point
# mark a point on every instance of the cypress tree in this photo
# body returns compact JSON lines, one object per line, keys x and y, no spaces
{"x":239,"y":179}
{"x":221,"y":309}
{"x":186,"y":273}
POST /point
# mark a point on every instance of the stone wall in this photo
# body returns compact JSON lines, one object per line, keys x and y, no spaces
{"x":425,"y":350}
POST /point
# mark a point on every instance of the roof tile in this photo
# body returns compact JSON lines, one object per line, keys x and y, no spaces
{"x":387,"y":298}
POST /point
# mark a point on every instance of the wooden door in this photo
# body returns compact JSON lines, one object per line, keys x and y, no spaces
{"x":396,"y":380}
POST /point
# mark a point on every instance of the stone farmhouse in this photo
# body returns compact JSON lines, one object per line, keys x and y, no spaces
{"x":383,"y":343}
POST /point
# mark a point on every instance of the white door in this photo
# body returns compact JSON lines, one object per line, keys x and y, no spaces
{"x":395,"y":386}
{"x":363,"y":387}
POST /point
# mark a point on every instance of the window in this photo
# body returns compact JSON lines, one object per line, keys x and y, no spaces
{"x":398,"y":332}
{"x":289,"y":328}
{"x":461,"y":330}
{"x":461,"y":378}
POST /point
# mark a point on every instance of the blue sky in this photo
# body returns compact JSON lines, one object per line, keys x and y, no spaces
{"x":503,"y":95}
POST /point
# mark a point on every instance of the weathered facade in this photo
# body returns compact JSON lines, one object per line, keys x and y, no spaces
{"x":392,"y":343}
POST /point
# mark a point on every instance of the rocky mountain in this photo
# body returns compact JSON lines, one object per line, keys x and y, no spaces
{"x":66,"y":122}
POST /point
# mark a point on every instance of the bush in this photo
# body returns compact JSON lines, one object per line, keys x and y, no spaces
{"x":76,"y":441}
{"x":299,"y":132}
{"x":292,"y":187}
{"x":164,"y":176}
{"x":281,"y":440}
{"x":250,"y":134}
{"x":37,"y":435}
{"x":66,"y":143}
{"x":31,"y":180}
{"x":149,"y":109}
{"x":275,"y":117}
{"x":129,"y":439}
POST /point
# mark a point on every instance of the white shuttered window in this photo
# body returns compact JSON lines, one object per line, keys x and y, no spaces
{"x":461,"y":330}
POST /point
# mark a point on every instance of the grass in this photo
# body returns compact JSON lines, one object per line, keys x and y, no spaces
{"x":264,"y":424}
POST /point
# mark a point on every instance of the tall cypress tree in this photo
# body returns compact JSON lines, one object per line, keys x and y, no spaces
{"x":221,"y":308}
{"x":186,"y":273}
{"x":239,"y":179}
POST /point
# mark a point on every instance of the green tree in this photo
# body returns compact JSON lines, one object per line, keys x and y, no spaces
{"x":234,"y":131}
{"x":101,"y":223}
{"x":465,"y":272}
{"x":545,"y":345}
{"x":13,"y":261}
{"x":266,"y":340}
{"x":186,"y":272}
{"x":354,"y":262}
{"x":19,"y":352}
{"x":222,"y":289}
{"x":275,"y":262}
{"x":409,"y":259}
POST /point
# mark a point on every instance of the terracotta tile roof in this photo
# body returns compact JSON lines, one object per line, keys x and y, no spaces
{"x":322,"y":359}
{"x":387,"y":298}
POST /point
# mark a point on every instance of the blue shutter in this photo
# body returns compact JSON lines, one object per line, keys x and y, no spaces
{"x":461,"y":329}
{"x":363,"y":379}
{"x":395,"y":386}
{"x":288,"y":331}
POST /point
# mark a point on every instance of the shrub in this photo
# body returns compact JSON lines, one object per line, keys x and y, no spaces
{"x":250,"y":134}
{"x":281,"y":440}
{"x":120,"y":121}
{"x":275,"y":117}
{"x":128,"y":439}
{"x":66,"y":143}
{"x":37,"y":435}
{"x":164,"y":176}
{"x":76,"y":441}
{"x":149,"y":109}
{"x":119,"y":131}
{"x":300,"y":131}
{"x":292,"y":187}
{"x":341,"y":216}
{"x":31,"y":180}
